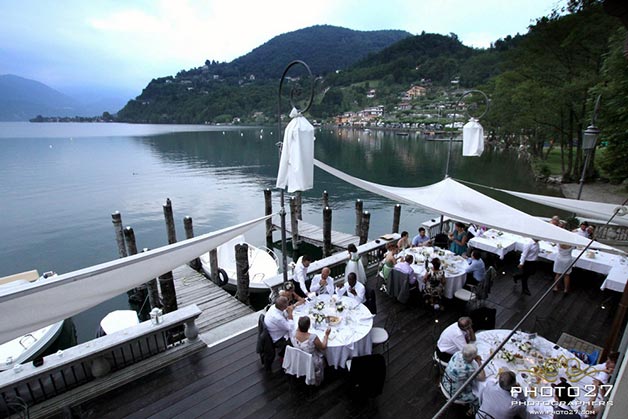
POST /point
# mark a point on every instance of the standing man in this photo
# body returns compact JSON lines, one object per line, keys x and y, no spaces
{"x":527,"y":264}
{"x":322,"y":283}
{"x":300,"y":275}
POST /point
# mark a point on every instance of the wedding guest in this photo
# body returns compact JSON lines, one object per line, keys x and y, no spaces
{"x":294,"y":299}
{"x":421,"y":239}
{"x":454,"y":337}
{"x":390,"y":258}
{"x":310,"y":343}
{"x":476,"y":270}
{"x":562,"y":266}
{"x":277,"y":323}
{"x":555,"y":220}
{"x":563,"y":396}
{"x":497,"y":401}
{"x":355,"y":264}
{"x":583,"y":230}
{"x":527,"y":264}
{"x":404,"y":241}
{"x":352,"y":288}
{"x":300,"y":275}
{"x":460,"y":367}
{"x":434,"y":280}
{"x":406,"y":267}
{"x":605,"y":370}
{"x":322,"y":283}
{"x":459,"y":239}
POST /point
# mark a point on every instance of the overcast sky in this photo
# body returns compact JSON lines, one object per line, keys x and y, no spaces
{"x":124,"y":44}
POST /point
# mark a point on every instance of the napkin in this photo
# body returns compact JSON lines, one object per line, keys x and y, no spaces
{"x":366,"y":318}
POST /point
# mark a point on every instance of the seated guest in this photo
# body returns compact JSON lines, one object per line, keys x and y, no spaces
{"x":454,"y":337}
{"x":421,"y":239}
{"x":352,"y":288}
{"x":563,"y":395}
{"x":583,"y":230}
{"x":459,"y":239}
{"x":293,"y":298}
{"x":434,"y":281}
{"x":322,"y":283}
{"x":311,"y":344}
{"x":496,"y":399}
{"x":406,"y":268}
{"x":476,"y":271}
{"x":591,"y":232}
{"x":605,"y":370}
{"x":389,"y":262}
{"x":277,"y":323}
{"x":300,"y":275}
{"x":555,"y":220}
{"x":461,"y":366}
{"x":404,"y":241}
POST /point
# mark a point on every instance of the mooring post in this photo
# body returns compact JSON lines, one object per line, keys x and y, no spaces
{"x":268,"y":210}
{"x":326,"y":232}
{"x":213,"y":266}
{"x":396,"y":218}
{"x":166,"y":281}
{"x":153,"y":291}
{"x":137,"y":295}
{"x":364,"y":230}
{"x":116,"y":219}
{"x":359,"y":205}
{"x":294,"y":223}
{"x":189,"y":233}
{"x":299,"y":203}
{"x":242,"y":272}
{"x":325,"y":199}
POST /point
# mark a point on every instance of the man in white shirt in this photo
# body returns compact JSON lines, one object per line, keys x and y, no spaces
{"x":323,"y":283}
{"x":527,"y":264}
{"x":300,"y":275}
{"x":496,"y":399}
{"x":583,"y":230}
{"x":277,"y":322}
{"x":352,"y":288}
{"x":454,"y":337}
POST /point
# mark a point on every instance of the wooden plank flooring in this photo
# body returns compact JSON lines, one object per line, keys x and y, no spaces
{"x":227,"y":380}
{"x":218,"y":306}
{"x":313,"y":234}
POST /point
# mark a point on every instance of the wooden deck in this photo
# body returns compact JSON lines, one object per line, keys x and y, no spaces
{"x":218,"y":306}
{"x":227,"y":380}
{"x":313,"y":234}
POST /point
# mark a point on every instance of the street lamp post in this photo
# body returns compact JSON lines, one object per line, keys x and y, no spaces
{"x":589,"y":140}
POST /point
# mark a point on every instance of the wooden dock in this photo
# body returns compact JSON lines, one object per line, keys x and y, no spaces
{"x":312,"y":234}
{"x":218,"y":306}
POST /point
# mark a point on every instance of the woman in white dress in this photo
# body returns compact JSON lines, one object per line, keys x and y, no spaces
{"x":355,"y":265}
{"x":310,"y":343}
{"x":562,"y":265}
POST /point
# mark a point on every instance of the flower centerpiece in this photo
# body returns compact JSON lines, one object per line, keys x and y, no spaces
{"x":339,"y":307}
{"x":319,"y":318}
{"x":500,"y":233}
{"x":507,"y":355}
{"x":525,"y":347}
{"x":319,"y":305}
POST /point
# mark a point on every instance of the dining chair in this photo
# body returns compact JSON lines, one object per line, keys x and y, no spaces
{"x":299,"y":363}
{"x":446,"y":386}
{"x":265,"y":347}
{"x":480,"y":414}
{"x":381,"y":335}
{"x":367,"y":376}
{"x":475,"y":295}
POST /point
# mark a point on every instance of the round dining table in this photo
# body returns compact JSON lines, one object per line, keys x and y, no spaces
{"x":453,"y":265}
{"x":537,"y":363}
{"x":349,"y":337}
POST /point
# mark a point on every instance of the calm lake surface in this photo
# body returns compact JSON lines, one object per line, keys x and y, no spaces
{"x":60,"y":183}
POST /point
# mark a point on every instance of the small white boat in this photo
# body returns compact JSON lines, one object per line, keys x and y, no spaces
{"x":263,"y":264}
{"x":117,"y":320}
{"x":24,"y":348}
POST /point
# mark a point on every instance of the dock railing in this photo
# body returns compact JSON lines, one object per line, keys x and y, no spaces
{"x":87,"y":370}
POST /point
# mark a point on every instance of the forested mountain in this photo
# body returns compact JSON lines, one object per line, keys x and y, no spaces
{"x":218,"y":92}
{"x":21,"y":99}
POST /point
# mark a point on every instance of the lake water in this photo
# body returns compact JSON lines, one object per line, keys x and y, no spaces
{"x":60,"y":183}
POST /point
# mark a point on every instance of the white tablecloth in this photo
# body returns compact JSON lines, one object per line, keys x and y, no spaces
{"x":454,"y":267}
{"x":539,"y":351}
{"x":495,"y":242}
{"x":348,"y":339}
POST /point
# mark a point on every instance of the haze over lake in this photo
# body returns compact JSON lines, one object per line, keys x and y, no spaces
{"x":60,"y":183}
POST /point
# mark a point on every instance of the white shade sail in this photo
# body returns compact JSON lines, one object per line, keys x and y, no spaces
{"x":596,"y":210}
{"x":296,"y":166}
{"x":34,"y":306}
{"x":460,"y":202}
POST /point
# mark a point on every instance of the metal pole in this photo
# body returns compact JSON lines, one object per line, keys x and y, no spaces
{"x":584,"y":171}
{"x":284,"y":256}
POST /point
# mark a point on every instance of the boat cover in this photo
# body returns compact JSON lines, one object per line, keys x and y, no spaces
{"x":36,"y":305}
{"x":460,"y":202}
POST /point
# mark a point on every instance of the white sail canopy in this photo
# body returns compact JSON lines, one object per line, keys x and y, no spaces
{"x":34,"y":306}
{"x":460,"y":202}
{"x":596,"y":210}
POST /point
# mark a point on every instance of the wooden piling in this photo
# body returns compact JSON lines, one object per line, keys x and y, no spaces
{"x":129,"y":237}
{"x":326,"y":232}
{"x":268,"y":210}
{"x":189,"y":233}
{"x":166,"y":281}
{"x":242,"y":272}
{"x":325,"y":199}
{"x":396,"y":218}
{"x":359,"y":206}
{"x":116,"y":219}
{"x":364,"y":227}
{"x":299,"y":204}
{"x":294,"y":223}
{"x":153,"y":291}
{"x":213,"y":266}
{"x":137,"y":295}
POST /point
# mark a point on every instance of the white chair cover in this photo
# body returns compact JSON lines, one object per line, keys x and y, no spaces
{"x":299,"y":363}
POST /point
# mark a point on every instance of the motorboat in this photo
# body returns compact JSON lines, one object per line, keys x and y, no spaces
{"x":29,"y":346}
{"x":263,"y":264}
{"x":117,"y":320}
